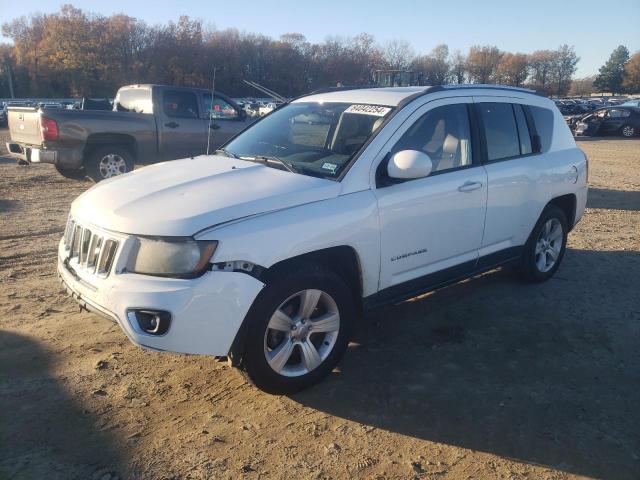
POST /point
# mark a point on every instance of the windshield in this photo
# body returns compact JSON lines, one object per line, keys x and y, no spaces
{"x":315,"y":139}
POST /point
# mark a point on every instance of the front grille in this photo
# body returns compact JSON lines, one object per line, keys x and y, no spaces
{"x":91,"y":250}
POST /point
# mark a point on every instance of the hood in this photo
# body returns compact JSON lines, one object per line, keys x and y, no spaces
{"x":182,"y":197}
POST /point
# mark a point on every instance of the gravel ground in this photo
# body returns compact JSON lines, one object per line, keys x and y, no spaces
{"x":490,"y":378}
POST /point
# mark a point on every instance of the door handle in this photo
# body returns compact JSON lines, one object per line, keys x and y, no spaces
{"x":469,"y":186}
{"x":214,"y":126}
{"x":172,"y":125}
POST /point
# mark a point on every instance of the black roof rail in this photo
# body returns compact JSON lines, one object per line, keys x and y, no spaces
{"x":340,"y":89}
{"x":485,"y":86}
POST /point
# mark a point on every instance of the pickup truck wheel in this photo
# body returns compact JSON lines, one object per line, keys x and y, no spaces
{"x":298,"y":329}
{"x":107,"y":162}
{"x":73,"y":174}
{"x":546,"y":246}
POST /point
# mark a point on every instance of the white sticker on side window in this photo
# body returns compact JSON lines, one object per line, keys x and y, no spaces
{"x":375,"y":110}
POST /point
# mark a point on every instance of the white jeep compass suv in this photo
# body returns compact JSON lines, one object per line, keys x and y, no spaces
{"x":332,"y":204}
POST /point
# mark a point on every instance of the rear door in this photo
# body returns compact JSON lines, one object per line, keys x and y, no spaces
{"x":181,"y":126}
{"x":24,"y":125}
{"x":518,"y":178}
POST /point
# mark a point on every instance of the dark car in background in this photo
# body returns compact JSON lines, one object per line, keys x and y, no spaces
{"x":617,"y":120}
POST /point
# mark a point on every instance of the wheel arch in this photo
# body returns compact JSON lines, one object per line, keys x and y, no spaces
{"x":343,"y":260}
{"x":98,"y":140}
{"x":566,"y":203}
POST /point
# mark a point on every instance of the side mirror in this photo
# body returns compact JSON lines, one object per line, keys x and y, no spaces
{"x":408,"y":164}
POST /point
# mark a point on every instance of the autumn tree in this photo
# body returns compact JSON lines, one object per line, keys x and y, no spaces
{"x":482,"y":64}
{"x":398,"y":54}
{"x":513,"y":69}
{"x":434,"y":66}
{"x":631,"y":77}
{"x":458,"y":67}
{"x":562,"y":69}
{"x":582,"y":87}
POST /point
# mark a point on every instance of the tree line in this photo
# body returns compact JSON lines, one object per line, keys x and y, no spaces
{"x":78,"y":53}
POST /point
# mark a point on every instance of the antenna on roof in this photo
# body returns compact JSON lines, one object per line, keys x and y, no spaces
{"x":213,"y":88}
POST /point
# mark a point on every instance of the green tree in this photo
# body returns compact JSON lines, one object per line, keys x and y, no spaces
{"x":611,"y":74}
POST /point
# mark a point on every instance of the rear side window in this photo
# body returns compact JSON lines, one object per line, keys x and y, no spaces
{"x":501,"y":132}
{"x":523,"y":130}
{"x":179,"y":104}
{"x":543,"y":119}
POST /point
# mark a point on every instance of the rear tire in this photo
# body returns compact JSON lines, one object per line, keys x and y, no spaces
{"x":545,"y":247}
{"x":108,"y":161}
{"x":73,"y":174}
{"x":628,"y":131}
{"x":286,"y":350}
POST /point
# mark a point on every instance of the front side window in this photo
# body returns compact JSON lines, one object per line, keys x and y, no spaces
{"x":317,"y":139}
{"x":218,"y":108}
{"x":179,"y":104}
{"x":442,"y":133}
{"x":500,"y":129}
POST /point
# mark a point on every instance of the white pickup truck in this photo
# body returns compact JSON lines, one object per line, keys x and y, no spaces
{"x":335,"y":203}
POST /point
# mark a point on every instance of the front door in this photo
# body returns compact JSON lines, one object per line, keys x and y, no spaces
{"x":431,"y":228}
{"x":181,"y":127}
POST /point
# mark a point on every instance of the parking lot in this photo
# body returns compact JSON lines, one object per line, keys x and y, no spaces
{"x":489,"y":378}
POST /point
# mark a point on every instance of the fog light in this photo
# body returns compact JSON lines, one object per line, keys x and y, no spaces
{"x":152,"y":322}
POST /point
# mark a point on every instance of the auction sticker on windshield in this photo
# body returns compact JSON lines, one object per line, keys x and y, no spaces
{"x":376,"y":110}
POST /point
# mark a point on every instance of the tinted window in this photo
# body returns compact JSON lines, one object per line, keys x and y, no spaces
{"x":616,"y":113}
{"x":219,"y":108}
{"x":543,"y":119}
{"x":134,"y":100}
{"x":500,"y":130}
{"x":180,"y":104}
{"x":523,"y":130}
{"x":443,"y":134}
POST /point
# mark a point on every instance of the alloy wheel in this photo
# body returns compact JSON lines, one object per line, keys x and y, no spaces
{"x":549,"y":245}
{"x":628,"y":131}
{"x":302,"y":333}
{"x":111,"y":165}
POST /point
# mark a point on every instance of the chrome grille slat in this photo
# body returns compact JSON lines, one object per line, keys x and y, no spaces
{"x":92,"y":250}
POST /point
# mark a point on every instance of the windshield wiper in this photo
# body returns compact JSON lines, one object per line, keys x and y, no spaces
{"x":266,"y":159}
{"x":226,"y":152}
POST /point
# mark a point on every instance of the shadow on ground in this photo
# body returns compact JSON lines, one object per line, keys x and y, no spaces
{"x":614,"y":199}
{"x":44,"y":433}
{"x":520,"y":371}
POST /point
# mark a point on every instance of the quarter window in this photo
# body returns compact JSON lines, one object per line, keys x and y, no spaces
{"x":180,"y":104}
{"x":443,"y":134}
{"x":501,"y":132}
{"x":544,"y":121}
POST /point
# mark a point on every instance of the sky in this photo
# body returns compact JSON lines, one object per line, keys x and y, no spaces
{"x":594,"y":27}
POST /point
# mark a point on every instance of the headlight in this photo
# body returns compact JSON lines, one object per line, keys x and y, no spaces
{"x":183,"y":258}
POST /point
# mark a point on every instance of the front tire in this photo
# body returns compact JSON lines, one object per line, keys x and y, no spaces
{"x":109,"y":161}
{"x":545,"y":247}
{"x":298,"y":329}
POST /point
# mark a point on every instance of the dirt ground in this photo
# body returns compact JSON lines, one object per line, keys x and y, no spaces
{"x":490,"y":378}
